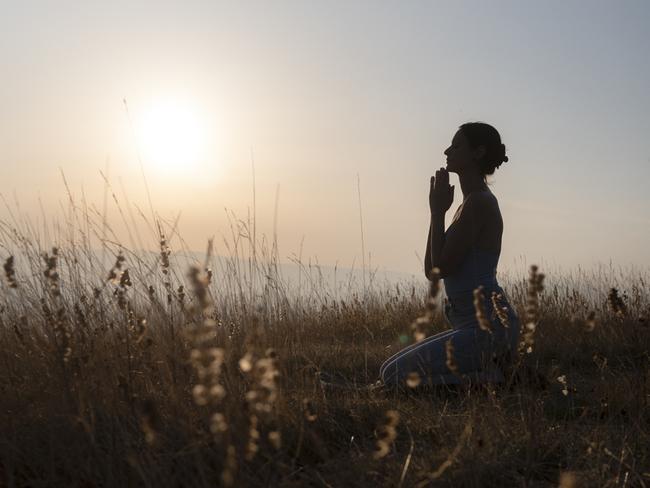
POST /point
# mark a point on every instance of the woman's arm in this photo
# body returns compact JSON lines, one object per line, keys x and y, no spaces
{"x":435,"y":243}
{"x":441,"y":196}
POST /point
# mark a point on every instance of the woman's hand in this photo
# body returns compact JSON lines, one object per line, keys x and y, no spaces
{"x":441,"y":194}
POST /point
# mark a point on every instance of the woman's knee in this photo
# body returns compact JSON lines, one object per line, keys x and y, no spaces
{"x":418,"y":345}
{"x":393,"y":371}
{"x":388,"y":372}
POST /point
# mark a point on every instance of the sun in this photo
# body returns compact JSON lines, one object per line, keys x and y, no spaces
{"x":172,"y":136}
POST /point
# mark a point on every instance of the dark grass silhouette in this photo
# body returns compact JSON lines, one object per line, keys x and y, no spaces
{"x":163,"y":378}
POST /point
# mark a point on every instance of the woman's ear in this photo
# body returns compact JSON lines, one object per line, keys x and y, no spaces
{"x":479,"y":152}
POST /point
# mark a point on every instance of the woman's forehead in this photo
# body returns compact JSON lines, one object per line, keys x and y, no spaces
{"x":458,"y":138}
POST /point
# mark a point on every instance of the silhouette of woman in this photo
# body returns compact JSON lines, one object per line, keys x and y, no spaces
{"x":466,"y":256}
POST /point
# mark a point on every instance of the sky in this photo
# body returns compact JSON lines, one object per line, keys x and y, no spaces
{"x":339,"y":107}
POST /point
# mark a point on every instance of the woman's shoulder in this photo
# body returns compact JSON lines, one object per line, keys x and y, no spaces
{"x":482,"y":200}
{"x":483,"y":195}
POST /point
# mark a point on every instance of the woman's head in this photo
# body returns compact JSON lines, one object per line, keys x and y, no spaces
{"x":476,"y":145}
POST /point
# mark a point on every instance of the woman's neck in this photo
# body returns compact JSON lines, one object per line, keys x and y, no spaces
{"x":471,"y":182}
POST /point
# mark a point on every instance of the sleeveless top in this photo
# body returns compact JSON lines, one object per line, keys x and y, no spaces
{"x":478,"y":268}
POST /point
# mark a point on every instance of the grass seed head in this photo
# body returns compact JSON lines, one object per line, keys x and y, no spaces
{"x":149,"y":421}
{"x":218,"y":424}
{"x":10,"y":272}
{"x":386,"y":433}
{"x":501,"y":311}
{"x":479,"y":307}
{"x":309,"y":410}
{"x":413,"y":380}
{"x":125,"y":279}
{"x":230,"y":467}
{"x":615,"y":303}
{"x":451,"y":360}
{"x":590,"y":322}
{"x":535,"y":287}
{"x":51,"y":274}
{"x":252,"y":446}
{"x":165,"y":252}
{"x":275,"y":438}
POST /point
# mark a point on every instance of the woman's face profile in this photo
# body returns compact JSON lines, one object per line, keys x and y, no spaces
{"x":460,"y":156}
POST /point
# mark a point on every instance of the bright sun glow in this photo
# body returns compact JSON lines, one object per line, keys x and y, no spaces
{"x":172,"y":136}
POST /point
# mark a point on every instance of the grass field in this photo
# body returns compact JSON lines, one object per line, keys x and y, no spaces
{"x":142,"y":374}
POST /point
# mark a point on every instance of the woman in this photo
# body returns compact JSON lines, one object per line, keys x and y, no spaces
{"x":466,"y":256}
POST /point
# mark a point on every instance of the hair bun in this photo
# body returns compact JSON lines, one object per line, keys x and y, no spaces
{"x":504,"y":158}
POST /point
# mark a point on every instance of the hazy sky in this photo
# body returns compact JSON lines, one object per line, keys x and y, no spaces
{"x":319,"y":93}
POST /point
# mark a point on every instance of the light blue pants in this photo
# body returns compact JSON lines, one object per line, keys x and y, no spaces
{"x":476,"y":352}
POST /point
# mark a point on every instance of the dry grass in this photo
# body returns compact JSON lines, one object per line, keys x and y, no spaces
{"x":133,"y":373}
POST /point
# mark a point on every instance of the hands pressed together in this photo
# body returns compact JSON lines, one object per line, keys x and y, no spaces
{"x":441,"y":193}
